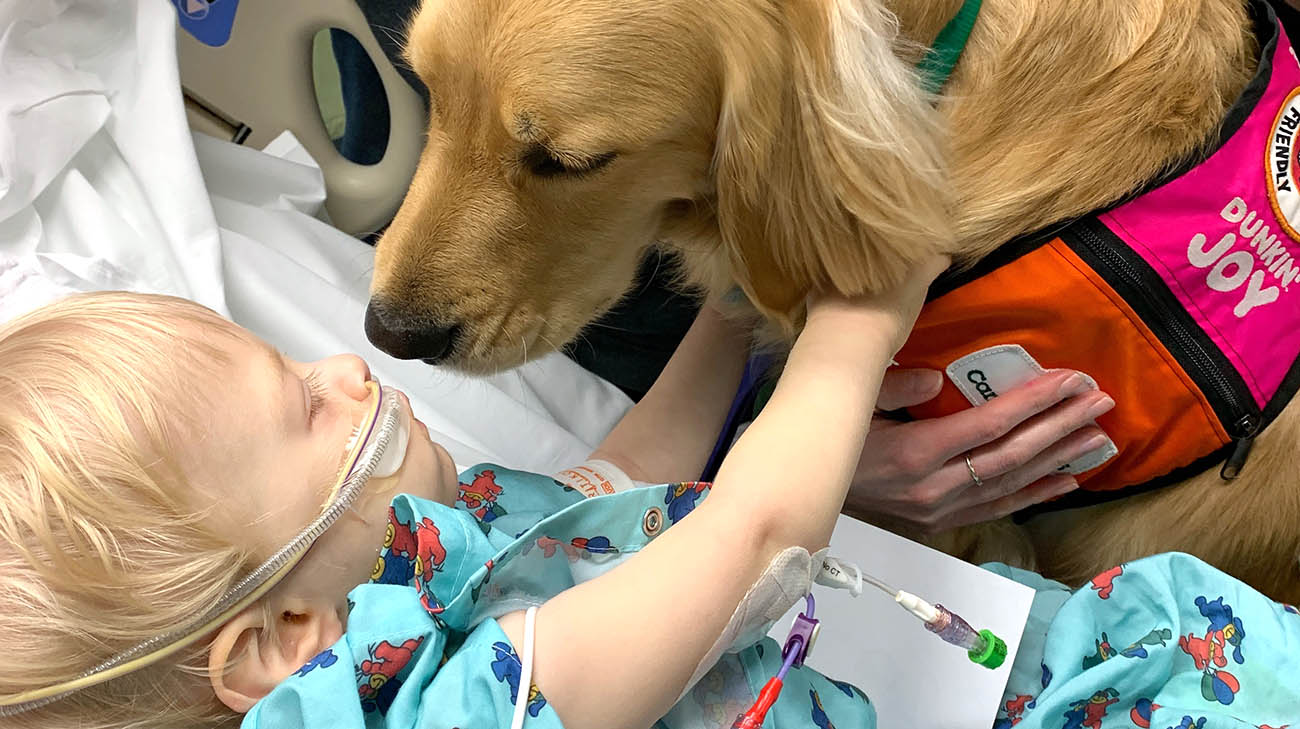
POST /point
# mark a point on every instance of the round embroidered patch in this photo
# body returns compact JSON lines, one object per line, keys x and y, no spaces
{"x":1279,"y":164}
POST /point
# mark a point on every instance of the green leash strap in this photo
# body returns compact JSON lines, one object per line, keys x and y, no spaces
{"x":942,"y":57}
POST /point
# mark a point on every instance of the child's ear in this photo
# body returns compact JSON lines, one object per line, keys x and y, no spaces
{"x":248,"y":657}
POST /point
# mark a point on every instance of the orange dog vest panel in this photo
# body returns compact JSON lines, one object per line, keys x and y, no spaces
{"x":1065,"y":315}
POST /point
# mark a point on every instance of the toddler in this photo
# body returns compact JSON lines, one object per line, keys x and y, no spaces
{"x":159,"y":463}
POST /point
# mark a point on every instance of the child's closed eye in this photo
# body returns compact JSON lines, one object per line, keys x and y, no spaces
{"x":316,"y":390}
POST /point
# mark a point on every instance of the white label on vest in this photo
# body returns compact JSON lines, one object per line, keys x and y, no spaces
{"x":986,"y":374}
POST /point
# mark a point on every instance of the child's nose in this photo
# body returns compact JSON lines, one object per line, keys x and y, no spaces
{"x":349,"y":373}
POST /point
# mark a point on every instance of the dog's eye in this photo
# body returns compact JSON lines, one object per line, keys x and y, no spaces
{"x":547,"y":163}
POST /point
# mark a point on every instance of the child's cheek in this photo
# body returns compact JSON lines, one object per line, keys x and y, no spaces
{"x":428,"y":472}
{"x":379,"y":493}
{"x":446,"y":482}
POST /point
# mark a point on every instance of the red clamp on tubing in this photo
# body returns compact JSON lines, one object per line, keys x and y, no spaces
{"x":797,"y":647}
{"x":753,"y":719}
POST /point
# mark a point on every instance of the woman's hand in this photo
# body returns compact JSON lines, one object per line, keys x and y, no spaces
{"x":913,"y":475}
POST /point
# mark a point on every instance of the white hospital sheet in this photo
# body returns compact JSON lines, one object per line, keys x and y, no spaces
{"x":102,"y":186}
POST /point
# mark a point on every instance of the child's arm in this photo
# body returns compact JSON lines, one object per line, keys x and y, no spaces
{"x":669,"y":435}
{"x":618,"y":650}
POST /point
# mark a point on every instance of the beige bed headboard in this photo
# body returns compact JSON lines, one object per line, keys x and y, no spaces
{"x":260,"y":83}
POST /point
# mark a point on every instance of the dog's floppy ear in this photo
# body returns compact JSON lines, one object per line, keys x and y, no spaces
{"x":829,"y":168}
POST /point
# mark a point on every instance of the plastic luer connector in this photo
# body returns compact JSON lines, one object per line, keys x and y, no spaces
{"x":983,"y":647}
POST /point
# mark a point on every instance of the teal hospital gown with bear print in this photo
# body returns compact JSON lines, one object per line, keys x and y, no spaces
{"x":422,"y":646}
{"x":1166,"y":642}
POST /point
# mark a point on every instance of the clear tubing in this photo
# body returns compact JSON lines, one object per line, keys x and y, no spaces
{"x":878,"y":583}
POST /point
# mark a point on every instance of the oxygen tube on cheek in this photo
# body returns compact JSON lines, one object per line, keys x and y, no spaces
{"x":377,"y":448}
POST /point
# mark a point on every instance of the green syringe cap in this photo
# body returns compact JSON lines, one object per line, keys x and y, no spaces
{"x":994,"y":653}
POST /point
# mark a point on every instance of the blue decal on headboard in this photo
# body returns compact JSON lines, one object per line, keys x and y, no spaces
{"x":210,"y":21}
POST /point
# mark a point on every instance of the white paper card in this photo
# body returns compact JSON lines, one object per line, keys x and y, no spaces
{"x":913,"y":678}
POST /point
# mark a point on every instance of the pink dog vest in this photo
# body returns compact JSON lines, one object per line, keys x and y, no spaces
{"x":1182,"y":302}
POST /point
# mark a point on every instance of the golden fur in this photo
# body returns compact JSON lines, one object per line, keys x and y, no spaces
{"x":783,"y":146}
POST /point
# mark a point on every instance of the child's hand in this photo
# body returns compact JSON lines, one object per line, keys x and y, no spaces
{"x":891,"y":313}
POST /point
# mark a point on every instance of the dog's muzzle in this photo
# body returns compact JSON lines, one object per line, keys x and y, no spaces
{"x":405,"y":337}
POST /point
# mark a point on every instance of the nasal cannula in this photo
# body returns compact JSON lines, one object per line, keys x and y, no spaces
{"x":982,"y":647}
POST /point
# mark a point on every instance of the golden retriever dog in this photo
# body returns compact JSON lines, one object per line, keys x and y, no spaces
{"x":782,"y":145}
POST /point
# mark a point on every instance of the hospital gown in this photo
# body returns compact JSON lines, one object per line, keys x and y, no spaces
{"x":1166,"y":642}
{"x":423,"y":648}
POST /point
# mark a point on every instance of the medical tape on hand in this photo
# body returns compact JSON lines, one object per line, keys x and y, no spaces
{"x":788,"y":577}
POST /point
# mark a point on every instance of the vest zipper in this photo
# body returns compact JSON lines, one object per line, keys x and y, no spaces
{"x":1241,"y":446}
{"x":1134,"y":280}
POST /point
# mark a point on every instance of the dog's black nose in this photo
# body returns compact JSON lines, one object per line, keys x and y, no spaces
{"x":406,"y":338}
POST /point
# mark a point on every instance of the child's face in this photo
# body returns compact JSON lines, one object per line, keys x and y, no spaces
{"x":275,"y":439}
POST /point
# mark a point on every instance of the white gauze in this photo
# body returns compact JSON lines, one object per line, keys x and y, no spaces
{"x":788,"y":577}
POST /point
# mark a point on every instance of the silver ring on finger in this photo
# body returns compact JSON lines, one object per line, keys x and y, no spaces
{"x":974,"y":477}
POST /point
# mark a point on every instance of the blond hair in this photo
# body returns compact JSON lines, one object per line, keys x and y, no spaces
{"x":98,"y":548}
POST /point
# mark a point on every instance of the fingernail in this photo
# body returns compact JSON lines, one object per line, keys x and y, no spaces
{"x":1095,"y":442}
{"x":1067,"y":485}
{"x":926,"y":382}
{"x":1101,"y":407}
{"x":1073,"y":385}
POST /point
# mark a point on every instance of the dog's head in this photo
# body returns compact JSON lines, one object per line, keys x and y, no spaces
{"x":781,"y":147}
